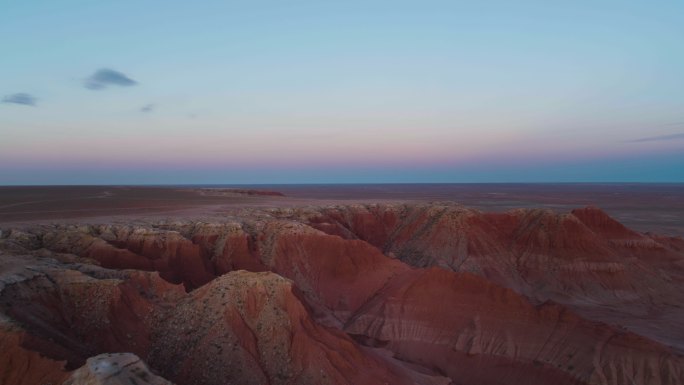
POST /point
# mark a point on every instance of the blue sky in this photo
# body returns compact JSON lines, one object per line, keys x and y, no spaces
{"x":353,"y":91}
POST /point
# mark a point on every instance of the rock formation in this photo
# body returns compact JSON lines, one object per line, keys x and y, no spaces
{"x":357,"y":294}
{"x":115,"y":369}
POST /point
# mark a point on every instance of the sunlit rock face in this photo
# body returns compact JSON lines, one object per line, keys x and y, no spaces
{"x":115,"y":369}
{"x":352,"y":294}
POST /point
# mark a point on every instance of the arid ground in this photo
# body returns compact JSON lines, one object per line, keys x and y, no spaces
{"x":349,"y":284}
{"x":656,"y":208}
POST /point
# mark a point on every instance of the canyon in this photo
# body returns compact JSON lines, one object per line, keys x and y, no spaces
{"x":342,"y":293}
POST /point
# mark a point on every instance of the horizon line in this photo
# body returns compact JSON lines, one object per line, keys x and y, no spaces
{"x":344,"y":183}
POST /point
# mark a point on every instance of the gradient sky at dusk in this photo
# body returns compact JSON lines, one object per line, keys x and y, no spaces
{"x":130,"y":92}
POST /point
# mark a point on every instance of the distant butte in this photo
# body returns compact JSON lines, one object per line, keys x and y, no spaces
{"x":228,"y":191}
{"x":406,"y":293}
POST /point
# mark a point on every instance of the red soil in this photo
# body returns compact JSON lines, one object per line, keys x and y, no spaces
{"x":425,"y":293}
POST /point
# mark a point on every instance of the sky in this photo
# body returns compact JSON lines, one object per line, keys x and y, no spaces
{"x":245,"y":92}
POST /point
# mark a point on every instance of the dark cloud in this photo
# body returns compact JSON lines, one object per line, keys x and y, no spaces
{"x":105,"y":77}
{"x":658,"y":138}
{"x":147,"y":108}
{"x":20,"y":98}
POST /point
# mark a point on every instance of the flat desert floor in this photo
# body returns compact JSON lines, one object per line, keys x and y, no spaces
{"x":655,"y":208}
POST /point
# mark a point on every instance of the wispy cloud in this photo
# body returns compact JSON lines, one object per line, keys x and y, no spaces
{"x":105,"y":77}
{"x":674,"y":124}
{"x":147,"y":108}
{"x":21,"y":98}
{"x":658,"y":138}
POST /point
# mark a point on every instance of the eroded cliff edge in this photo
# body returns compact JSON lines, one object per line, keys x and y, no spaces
{"x":426,"y":293}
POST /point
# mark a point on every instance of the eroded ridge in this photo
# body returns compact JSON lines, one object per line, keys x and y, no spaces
{"x":397,"y":293}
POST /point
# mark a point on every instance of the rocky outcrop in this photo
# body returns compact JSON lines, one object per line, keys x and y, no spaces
{"x":115,"y":369}
{"x":250,"y":328}
{"x":22,"y":365}
{"x":584,"y":260}
{"x":242,"y":327}
{"x":427,"y":294}
{"x":484,"y":333}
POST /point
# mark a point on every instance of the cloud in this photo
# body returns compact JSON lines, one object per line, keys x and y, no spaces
{"x":105,"y":77}
{"x":147,"y":108}
{"x":658,"y":138}
{"x":20,"y":98}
